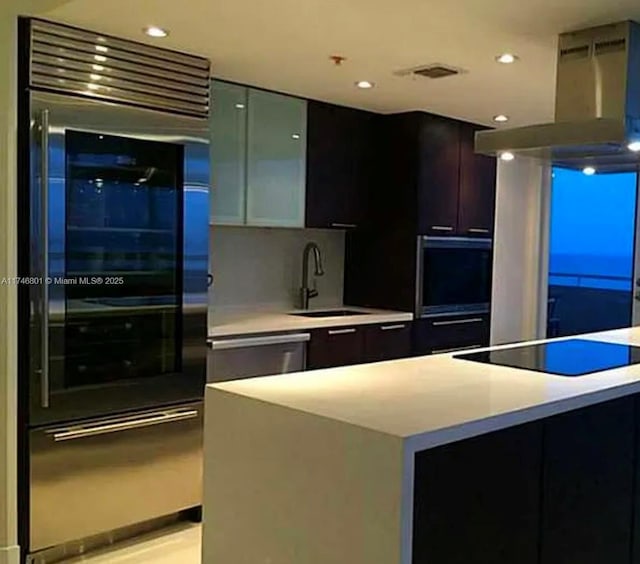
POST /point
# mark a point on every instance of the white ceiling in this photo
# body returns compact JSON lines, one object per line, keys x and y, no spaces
{"x":285,"y":45}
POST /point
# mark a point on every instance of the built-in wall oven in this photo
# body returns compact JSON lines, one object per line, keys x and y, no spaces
{"x":453,"y":276}
{"x":114,"y":255}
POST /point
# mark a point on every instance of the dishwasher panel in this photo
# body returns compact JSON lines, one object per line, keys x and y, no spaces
{"x":235,"y":359}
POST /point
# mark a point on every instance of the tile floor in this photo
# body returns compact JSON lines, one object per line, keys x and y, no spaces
{"x":179,"y":544}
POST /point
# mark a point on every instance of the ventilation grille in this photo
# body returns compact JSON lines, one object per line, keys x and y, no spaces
{"x":433,"y":71}
{"x":69,"y":60}
{"x":436,"y":71}
{"x":611,"y":46}
{"x":578,"y":52}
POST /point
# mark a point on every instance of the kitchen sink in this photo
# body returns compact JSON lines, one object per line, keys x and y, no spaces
{"x":330,"y":313}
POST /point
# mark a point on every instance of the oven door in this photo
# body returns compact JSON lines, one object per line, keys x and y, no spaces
{"x":119,"y":253}
{"x":454,"y":276}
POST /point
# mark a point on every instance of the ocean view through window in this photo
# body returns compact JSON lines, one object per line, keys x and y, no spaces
{"x":591,"y":257}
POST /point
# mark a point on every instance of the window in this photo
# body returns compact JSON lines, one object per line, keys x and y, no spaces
{"x":591,"y":258}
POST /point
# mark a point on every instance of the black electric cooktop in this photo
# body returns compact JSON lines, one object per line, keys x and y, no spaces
{"x":575,"y":357}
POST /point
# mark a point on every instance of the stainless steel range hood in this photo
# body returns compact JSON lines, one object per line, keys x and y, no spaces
{"x":597,"y":105}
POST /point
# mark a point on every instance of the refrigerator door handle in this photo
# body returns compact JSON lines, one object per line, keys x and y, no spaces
{"x":104,"y":428}
{"x":44,"y":222}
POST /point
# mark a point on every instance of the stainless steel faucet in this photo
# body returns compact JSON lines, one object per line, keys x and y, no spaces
{"x":307,"y":293}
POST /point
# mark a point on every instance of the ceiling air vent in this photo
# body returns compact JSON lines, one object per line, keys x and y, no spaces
{"x":436,"y":71}
{"x":433,"y":71}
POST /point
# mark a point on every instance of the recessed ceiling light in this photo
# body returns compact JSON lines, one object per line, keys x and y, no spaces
{"x":100,"y":58}
{"x":506,"y":58}
{"x":95,"y":77}
{"x":635,"y":146}
{"x":589,"y":170}
{"x":154,"y":31}
{"x":295,"y":136}
{"x":365,"y":84}
{"x":92,"y":86}
{"x":102,"y":49}
{"x":500,"y":118}
{"x":240,"y":106}
{"x":98,"y":68}
{"x":507,"y":156}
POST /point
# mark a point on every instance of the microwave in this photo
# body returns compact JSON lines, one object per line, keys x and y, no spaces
{"x":453,"y":275}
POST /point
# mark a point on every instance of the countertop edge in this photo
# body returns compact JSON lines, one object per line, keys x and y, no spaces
{"x":469,"y":429}
{"x":290,"y":324}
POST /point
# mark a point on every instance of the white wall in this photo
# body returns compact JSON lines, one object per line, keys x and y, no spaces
{"x":521,"y":251}
{"x":263,"y":267}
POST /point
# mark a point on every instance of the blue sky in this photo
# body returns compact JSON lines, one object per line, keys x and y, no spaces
{"x":592,"y":215}
{"x":592,"y":225}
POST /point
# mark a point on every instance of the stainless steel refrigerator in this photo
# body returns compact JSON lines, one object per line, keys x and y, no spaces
{"x":113,"y":251}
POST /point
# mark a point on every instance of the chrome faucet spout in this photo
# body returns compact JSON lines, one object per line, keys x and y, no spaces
{"x":306,"y":293}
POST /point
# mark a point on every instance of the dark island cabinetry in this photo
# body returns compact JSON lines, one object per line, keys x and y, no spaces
{"x":478,"y":501}
{"x":562,"y":490}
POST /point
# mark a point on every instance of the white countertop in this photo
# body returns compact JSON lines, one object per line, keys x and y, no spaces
{"x":246,"y":322}
{"x":433,"y":400}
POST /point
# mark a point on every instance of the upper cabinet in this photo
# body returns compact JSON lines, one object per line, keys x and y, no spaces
{"x":228,"y":153}
{"x":477,"y":187}
{"x":340,"y":165}
{"x":276,"y":159}
{"x":456,"y":187}
{"x":438,"y":176}
{"x":258,"y":157}
{"x":284,"y":162}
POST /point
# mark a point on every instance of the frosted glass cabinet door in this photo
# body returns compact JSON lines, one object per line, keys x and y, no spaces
{"x":276,"y":159}
{"x":228,"y":153}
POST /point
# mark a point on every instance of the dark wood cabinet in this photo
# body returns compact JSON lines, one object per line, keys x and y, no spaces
{"x":387,"y":342}
{"x":478,"y":501}
{"x":561,"y":490}
{"x":588,"y":482}
{"x":344,"y":346}
{"x":340,"y":164}
{"x":450,"y":333}
{"x":476,"y":211}
{"x":440,"y":186}
{"x":337,"y":346}
{"x":456,"y":187}
{"x":438,"y":175}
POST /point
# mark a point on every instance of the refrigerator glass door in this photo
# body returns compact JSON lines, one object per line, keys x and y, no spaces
{"x":119,"y":226}
{"x":122,"y":262}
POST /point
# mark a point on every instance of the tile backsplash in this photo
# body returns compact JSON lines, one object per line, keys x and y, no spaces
{"x":262,"y":267}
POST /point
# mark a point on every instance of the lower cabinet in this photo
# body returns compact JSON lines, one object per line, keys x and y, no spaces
{"x":387,"y":342}
{"x":338,"y":346}
{"x":477,"y":501}
{"x":557,"y":491}
{"x":433,"y":335}
{"x":588,"y":484}
{"x":344,"y":346}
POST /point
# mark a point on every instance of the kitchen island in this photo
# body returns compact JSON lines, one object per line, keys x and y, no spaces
{"x":431,"y":460}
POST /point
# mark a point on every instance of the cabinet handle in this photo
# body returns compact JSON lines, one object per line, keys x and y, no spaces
{"x":344,"y":225}
{"x":458,"y":322}
{"x":392,"y":327}
{"x":478,"y":230}
{"x":441,"y":228}
{"x":115,"y":426}
{"x":227,"y":344}
{"x":455,"y":349}
{"x":341,"y":331}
